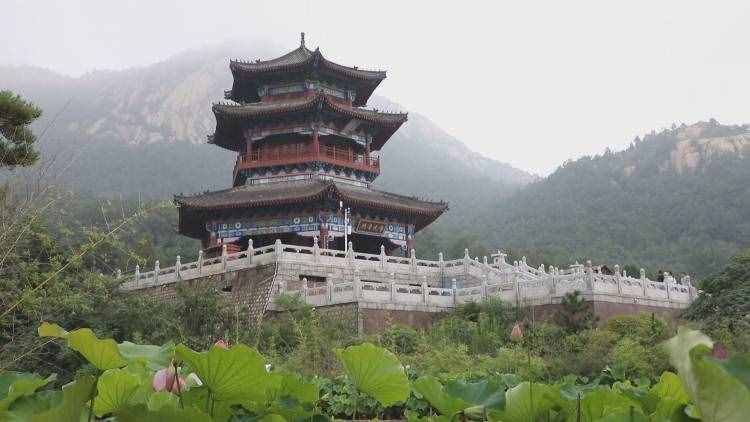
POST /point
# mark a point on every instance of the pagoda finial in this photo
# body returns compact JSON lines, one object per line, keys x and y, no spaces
{"x":302,"y":39}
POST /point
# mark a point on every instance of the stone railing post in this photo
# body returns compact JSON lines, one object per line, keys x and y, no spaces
{"x":441,"y":267}
{"x":485,"y":261}
{"x":589,"y":276}
{"x":329,"y":287}
{"x":316,"y":249}
{"x":350,"y":253}
{"x":137,"y":273}
{"x":200,"y":261}
{"x":454,"y":287}
{"x":250,"y":252}
{"x":382,"y":257}
{"x":467,"y":261}
{"x":618,"y":278}
{"x":357,"y":287}
{"x":518,"y":292}
{"x":304,"y":289}
{"x":553,"y":273}
{"x":278,"y":248}
{"x":666,"y":285}
{"x":118,"y":274}
{"x":156,"y":272}
{"x":224,"y":257}
{"x":177,"y":265}
{"x":484,"y":287}
{"x":424,"y":292}
{"x":413,"y":261}
{"x":393,"y":291}
{"x":644,"y":281}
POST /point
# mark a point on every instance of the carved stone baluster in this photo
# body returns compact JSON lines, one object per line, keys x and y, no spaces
{"x":250,"y":252}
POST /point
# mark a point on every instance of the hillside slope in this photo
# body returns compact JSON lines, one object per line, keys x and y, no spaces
{"x":676,"y":200}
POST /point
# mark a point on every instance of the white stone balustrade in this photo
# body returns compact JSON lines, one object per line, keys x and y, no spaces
{"x":411,"y":282}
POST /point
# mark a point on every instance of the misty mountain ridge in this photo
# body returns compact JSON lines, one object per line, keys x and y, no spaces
{"x":142,"y":131}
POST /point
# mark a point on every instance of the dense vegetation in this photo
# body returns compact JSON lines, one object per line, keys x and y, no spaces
{"x":132,"y":382}
{"x":672,"y":201}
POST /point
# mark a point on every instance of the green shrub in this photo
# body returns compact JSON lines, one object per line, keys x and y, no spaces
{"x":646,"y":329}
{"x":400,"y":339}
{"x":514,"y":361}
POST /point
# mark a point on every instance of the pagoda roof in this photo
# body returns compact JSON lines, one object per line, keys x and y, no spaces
{"x":302,"y":59}
{"x":229,"y":135}
{"x":252,"y":196}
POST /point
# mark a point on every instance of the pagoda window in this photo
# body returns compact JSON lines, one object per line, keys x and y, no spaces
{"x":282,"y":89}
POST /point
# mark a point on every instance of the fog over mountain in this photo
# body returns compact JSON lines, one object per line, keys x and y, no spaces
{"x":142,"y":131}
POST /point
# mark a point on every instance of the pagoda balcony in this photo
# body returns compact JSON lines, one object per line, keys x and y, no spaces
{"x":344,"y":157}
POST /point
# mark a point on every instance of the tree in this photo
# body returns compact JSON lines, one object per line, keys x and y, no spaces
{"x":16,"y":138}
{"x":575,"y":314}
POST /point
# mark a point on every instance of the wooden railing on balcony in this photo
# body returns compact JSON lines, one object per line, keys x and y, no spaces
{"x":295,"y":154}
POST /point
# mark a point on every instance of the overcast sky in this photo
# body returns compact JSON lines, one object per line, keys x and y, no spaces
{"x":531,"y":83}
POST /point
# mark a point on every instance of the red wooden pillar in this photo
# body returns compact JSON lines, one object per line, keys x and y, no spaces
{"x":316,"y":142}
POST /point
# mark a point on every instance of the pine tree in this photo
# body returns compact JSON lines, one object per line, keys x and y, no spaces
{"x":574,"y":314}
{"x":16,"y":139}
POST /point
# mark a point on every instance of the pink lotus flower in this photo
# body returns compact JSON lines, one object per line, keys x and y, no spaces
{"x":720,"y":351}
{"x":221,"y":343}
{"x":165,"y":380}
{"x":516,"y":334}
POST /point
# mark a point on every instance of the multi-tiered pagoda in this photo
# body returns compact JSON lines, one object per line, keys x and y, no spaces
{"x":308,"y":151}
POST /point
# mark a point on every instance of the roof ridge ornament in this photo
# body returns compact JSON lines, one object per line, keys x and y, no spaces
{"x":301,"y":39}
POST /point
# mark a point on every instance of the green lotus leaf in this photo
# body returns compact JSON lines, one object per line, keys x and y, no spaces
{"x":626,"y":416}
{"x":14,"y":385}
{"x":432,"y":391}
{"x":375,"y":371}
{"x":667,"y":398}
{"x":719,"y":395}
{"x":529,"y":402}
{"x":197,"y":397}
{"x":155,"y":357}
{"x":103,"y":354}
{"x":116,"y":389}
{"x":141,"y":413}
{"x":54,"y":406}
{"x":234,"y":374}
{"x":51,"y":330}
{"x":488,"y":393}
{"x":162,"y":399}
{"x":679,"y":348}
{"x":292,"y":398}
{"x":738,"y":366}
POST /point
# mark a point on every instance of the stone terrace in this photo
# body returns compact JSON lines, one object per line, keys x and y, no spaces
{"x":326,"y":277}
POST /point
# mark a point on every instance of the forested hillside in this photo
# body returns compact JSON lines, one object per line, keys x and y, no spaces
{"x":677,"y":200}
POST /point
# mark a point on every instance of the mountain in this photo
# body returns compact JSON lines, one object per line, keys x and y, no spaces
{"x":142,"y":131}
{"x":678,"y":200}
